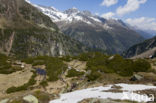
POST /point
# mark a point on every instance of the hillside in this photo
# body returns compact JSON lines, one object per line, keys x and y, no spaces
{"x":110,"y":35}
{"x":142,"y":50}
{"x":71,"y":76}
{"x":25,"y":31}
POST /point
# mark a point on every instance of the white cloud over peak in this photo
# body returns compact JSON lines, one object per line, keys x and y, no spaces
{"x":143,"y":23}
{"x":109,"y":2}
{"x":131,"y":5}
{"x":108,"y":15}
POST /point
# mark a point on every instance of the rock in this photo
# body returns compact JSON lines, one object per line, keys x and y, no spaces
{"x":110,"y":58}
{"x":4,"y":101}
{"x":30,"y":99}
{"x":154,"y":83}
{"x":136,"y":77}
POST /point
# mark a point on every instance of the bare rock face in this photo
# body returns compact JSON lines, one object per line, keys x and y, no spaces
{"x":25,"y":31}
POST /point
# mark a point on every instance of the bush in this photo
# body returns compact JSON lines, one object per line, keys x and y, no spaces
{"x":44,"y":83}
{"x":95,"y":62}
{"x":74,"y":73}
{"x":67,"y":58}
{"x":54,"y":66}
{"x":5,"y":67}
{"x":90,"y":55}
{"x":123,"y":67}
{"x":41,"y":96}
{"x":93,"y":76}
{"x":141,"y":65}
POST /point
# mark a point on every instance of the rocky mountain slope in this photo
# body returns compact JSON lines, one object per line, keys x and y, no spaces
{"x":93,"y":31}
{"x":142,"y":50}
{"x":25,"y":31}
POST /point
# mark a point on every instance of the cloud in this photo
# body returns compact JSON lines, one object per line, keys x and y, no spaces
{"x":143,"y":23}
{"x":131,"y":5}
{"x":109,"y":2}
{"x":108,"y":15}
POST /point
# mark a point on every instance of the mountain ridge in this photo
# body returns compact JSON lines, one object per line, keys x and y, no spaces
{"x":94,"y":31}
{"x":145,"y":49}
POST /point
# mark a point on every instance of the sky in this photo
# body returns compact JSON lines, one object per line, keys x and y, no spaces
{"x":140,"y":13}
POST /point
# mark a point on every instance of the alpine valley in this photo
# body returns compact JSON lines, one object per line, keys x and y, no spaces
{"x":49,"y":56}
{"x":110,"y":35}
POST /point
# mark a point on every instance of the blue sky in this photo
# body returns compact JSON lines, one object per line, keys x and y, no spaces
{"x":127,"y":10}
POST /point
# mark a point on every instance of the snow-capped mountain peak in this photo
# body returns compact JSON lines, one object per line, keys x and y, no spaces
{"x":73,"y":15}
{"x":71,"y":11}
{"x":87,"y":13}
{"x":70,"y":15}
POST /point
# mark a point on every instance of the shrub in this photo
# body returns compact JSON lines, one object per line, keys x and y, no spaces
{"x":44,"y":83}
{"x":123,"y":67}
{"x":5,"y":67}
{"x":67,"y":58}
{"x":74,"y":73}
{"x":54,"y":66}
{"x":141,"y":65}
{"x":93,"y":76}
{"x":90,"y":55}
{"x":41,"y":96}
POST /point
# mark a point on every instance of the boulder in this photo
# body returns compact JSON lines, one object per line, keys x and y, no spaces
{"x":4,"y":101}
{"x":136,"y":77}
{"x":30,"y":99}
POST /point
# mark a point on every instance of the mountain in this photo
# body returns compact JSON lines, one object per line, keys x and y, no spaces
{"x":142,"y":50}
{"x":25,"y":31}
{"x":110,"y":35}
{"x":144,"y":33}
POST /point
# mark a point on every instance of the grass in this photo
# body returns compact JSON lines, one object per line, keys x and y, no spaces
{"x":23,"y":87}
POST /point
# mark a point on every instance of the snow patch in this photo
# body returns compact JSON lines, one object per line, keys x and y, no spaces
{"x":98,"y":92}
{"x":95,"y":19}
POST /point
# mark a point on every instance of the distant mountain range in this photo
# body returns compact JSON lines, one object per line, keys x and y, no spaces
{"x":111,"y":35}
{"x":28,"y":31}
